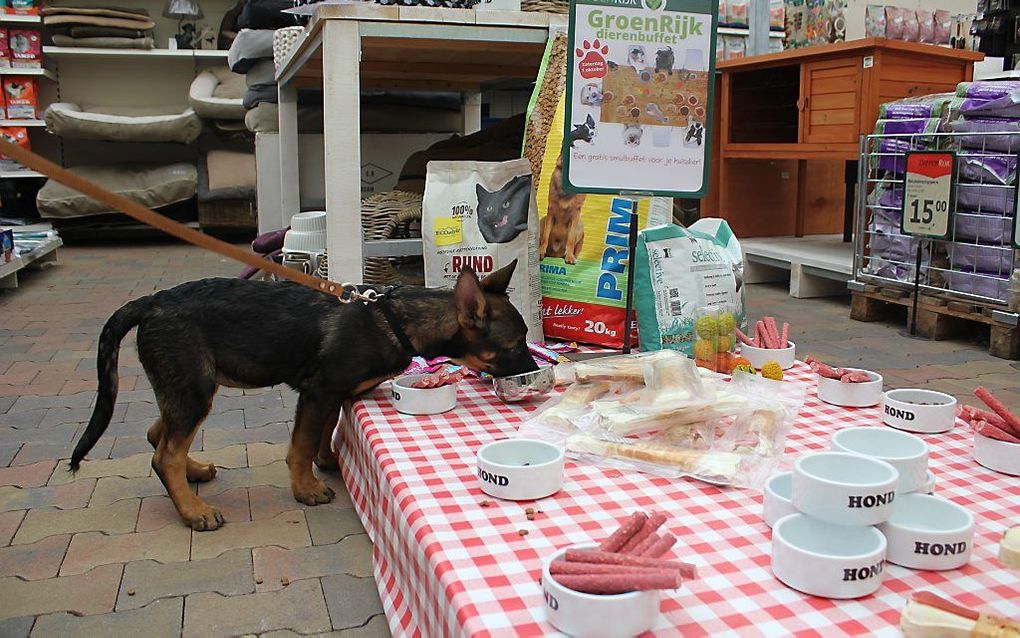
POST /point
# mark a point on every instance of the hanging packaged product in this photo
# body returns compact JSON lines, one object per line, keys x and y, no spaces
{"x":680,"y":271}
{"x":482,"y":215}
{"x":583,"y":238}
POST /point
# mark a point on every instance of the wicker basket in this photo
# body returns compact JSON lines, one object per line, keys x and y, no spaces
{"x":283,"y":42}
{"x":390,"y":215}
{"x":546,"y":6}
{"x":227,"y":213}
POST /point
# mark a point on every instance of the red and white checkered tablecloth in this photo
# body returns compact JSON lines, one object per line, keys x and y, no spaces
{"x":446,"y":566}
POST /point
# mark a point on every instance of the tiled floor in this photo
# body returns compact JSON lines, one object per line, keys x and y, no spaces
{"x":103,"y":552}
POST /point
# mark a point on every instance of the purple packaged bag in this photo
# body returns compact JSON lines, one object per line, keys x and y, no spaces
{"x":994,"y":259}
{"x":989,"y":229}
{"x":986,"y":167}
{"x":907,"y":126}
{"x":982,"y":284}
{"x":915,"y":107}
{"x":986,"y":198}
{"x":987,"y":90}
{"x":985,"y":130}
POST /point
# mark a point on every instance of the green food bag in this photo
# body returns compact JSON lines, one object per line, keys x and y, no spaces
{"x":679,"y":271}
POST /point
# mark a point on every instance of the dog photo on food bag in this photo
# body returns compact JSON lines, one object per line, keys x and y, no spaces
{"x":561,"y":230}
{"x":240,"y":333}
{"x":503,"y":215}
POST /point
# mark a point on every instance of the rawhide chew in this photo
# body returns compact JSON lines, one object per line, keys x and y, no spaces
{"x":612,"y":558}
{"x":624,"y":533}
{"x":720,"y":467}
{"x":928,"y":615}
{"x":619,"y":583}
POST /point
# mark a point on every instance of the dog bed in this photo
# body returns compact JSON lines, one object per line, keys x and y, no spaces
{"x":123,"y":124}
{"x":152,"y":186}
{"x":226,"y":175}
{"x":249,"y":47}
{"x":217,"y":94}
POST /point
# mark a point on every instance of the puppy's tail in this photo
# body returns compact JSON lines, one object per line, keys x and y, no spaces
{"x":119,"y":324}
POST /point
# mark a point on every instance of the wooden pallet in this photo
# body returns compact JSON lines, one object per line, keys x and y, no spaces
{"x":43,"y":256}
{"x":938,"y":318}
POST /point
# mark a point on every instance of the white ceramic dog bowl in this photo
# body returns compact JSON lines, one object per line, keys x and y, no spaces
{"x":928,"y":487}
{"x":528,"y":385}
{"x":822,"y":559}
{"x":520,"y":469}
{"x":907,"y":453}
{"x":418,"y":401}
{"x":999,"y":456}
{"x":924,"y":411}
{"x":851,"y":395}
{"x":596,"y":615}
{"x":844,"y":489}
{"x":777,"y":503}
{"x":926,"y":532}
{"x":758,"y":357}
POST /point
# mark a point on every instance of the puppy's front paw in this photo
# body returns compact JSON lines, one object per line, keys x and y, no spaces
{"x":203,"y":518}
{"x":314,"y":493}
{"x":570,"y":259}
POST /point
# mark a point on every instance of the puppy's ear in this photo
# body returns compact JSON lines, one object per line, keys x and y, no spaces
{"x":499,"y":281}
{"x":472,"y":312}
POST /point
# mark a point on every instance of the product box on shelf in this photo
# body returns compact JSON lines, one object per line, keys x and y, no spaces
{"x":6,"y":245}
{"x":15,"y":135}
{"x":26,"y":48}
{"x":21,"y":96}
{"x":21,"y":7}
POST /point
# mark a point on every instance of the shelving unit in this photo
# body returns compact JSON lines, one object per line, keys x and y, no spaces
{"x":19,"y":174}
{"x":11,"y":18}
{"x":745,"y":31}
{"x":25,"y":123}
{"x":83,"y":52}
{"x":37,"y":72}
{"x":45,"y":253}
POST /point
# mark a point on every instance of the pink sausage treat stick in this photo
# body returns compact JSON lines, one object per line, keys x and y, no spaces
{"x":619,"y":583}
{"x":640,"y":548}
{"x":784,"y":339}
{"x":984,"y":428}
{"x":567,"y":567}
{"x":977,"y":414}
{"x":620,"y":537}
{"x":1011,"y":420}
{"x":652,"y":523}
{"x":660,"y":548}
{"x":608,"y":558}
{"x":743,"y":338}
{"x":770,"y":325}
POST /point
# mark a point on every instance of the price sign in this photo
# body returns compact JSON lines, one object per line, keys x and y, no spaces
{"x":928,"y":189}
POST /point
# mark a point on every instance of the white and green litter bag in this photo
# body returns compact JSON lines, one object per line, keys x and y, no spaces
{"x":681,"y":271}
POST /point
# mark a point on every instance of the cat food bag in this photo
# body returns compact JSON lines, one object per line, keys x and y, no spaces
{"x":911,"y":26}
{"x":482,"y":215}
{"x":15,"y":135}
{"x":736,"y":13}
{"x":894,"y":17}
{"x":584,"y":281}
{"x":874,"y":21}
{"x":26,"y":48}
{"x":5,"y":50}
{"x":680,"y":272}
{"x":21,"y":95}
{"x":943,"y":26}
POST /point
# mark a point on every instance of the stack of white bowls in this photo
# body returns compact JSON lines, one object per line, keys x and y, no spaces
{"x":840,"y":515}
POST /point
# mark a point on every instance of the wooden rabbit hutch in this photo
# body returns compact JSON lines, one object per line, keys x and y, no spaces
{"x":804,"y":111}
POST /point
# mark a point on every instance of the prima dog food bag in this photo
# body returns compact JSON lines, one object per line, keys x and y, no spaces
{"x":582,"y":248}
{"x":680,"y":271}
{"x":482,"y":215}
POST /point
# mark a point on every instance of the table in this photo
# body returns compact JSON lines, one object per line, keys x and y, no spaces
{"x":815,"y":103}
{"x":446,"y":566}
{"x":348,"y":48}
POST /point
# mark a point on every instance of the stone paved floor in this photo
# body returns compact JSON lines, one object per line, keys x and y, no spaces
{"x":104,"y":553}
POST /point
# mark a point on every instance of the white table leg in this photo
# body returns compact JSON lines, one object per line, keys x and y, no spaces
{"x":471,"y":112}
{"x":290,"y":186}
{"x":341,"y":82}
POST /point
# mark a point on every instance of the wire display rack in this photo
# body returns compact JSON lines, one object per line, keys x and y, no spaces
{"x":977,"y":260}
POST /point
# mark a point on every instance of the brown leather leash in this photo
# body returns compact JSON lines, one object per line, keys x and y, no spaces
{"x":178,"y":230}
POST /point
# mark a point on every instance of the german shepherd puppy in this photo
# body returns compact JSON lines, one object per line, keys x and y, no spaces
{"x":249,"y":334}
{"x":561,"y":230}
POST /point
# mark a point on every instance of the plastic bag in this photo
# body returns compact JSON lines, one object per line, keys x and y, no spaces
{"x":894,"y":17}
{"x":736,"y":13}
{"x":911,"y":26}
{"x":926,"y":26}
{"x":874,"y":21}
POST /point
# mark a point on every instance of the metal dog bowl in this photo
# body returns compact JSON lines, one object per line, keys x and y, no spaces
{"x":521,"y":387}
